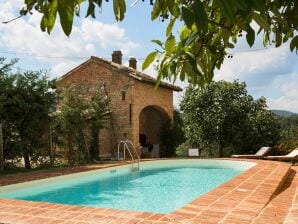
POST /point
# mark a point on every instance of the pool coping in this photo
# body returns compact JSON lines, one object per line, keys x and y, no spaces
{"x":238,"y":200}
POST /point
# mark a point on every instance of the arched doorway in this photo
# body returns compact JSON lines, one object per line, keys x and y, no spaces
{"x":151,"y":121}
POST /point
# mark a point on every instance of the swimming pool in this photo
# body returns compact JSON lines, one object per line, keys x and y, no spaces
{"x":161,"y":186}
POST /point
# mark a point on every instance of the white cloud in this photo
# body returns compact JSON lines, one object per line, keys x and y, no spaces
{"x":290,"y":87}
{"x":256,"y":67}
{"x":106,"y":35}
{"x":25,"y":37}
{"x":284,"y":103}
{"x":9,"y":9}
{"x":270,"y":73}
{"x":94,"y":30}
{"x":288,"y":97}
{"x":63,"y":67}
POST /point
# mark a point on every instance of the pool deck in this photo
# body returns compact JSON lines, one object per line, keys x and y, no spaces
{"x":266,"y":193}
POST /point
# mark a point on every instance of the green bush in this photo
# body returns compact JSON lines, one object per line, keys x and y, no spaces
{"x":172,"y":135}
{"x":182,"y":149}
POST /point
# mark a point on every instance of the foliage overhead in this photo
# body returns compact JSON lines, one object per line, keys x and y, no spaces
{"x":224,"y":115}
{"x":209,"y":29}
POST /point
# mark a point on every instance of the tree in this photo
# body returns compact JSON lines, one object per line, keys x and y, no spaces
{"x":1,"y":149}
{"x":262,"y":128}
{"x":25,"y":101}
{"x":172,"y":135}
{"x":4,"y":69}
{"x":289,"y":133}
{"x":72,"y":121}
{"x":77,"y":125}
{"x":224,"y":115}
{"x":99,"y":106}
{"x":209,"y":29}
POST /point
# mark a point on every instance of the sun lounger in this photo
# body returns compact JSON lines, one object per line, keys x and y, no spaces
{"x":263,"y":151}
{"x":292,"y":156}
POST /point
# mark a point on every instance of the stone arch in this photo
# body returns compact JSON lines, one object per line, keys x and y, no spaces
{"x":151,"y":120}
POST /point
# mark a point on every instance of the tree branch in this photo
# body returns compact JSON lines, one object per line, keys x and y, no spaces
{"x":9,"y":21}
{"x":219,"y":24}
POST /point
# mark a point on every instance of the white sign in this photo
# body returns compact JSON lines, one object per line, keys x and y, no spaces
{"x":193,"y":152}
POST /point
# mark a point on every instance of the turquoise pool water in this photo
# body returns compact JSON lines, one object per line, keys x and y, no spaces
{"x":160,"y":186}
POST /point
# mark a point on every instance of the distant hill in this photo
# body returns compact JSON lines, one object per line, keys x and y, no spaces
{"x":284,"y":113}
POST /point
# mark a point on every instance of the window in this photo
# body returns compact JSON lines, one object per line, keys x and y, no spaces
{"x":123,"y":93}
{"x":130,"y":113}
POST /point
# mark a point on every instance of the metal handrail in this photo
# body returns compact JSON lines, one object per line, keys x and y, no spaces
{"x":125,"y":146}
{"x":130,"y":142}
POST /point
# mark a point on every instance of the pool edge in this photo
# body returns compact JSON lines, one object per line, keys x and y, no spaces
{"x":208,"y":202}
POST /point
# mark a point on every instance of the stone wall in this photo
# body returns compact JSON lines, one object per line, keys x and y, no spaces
{"x":151,"y":121}
{"x":128,"y":98}
{"x":146,"y":96}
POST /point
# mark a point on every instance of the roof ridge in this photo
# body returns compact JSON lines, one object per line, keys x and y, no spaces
{"x":134,"y":73}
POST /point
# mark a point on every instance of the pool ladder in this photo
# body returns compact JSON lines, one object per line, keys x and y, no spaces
{"x":127,"y":145}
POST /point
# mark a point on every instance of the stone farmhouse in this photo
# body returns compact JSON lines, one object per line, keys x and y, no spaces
{"x":138,"y":111}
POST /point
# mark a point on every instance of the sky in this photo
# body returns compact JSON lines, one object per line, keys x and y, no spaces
{"x":269,"y":72}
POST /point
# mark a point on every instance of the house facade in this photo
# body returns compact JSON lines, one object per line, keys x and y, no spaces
{"x":138,"y":111}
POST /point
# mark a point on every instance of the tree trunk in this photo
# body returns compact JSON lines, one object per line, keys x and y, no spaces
{"x":1,"y":149}
{"x":220,"y":150}
{"x":94,"y":146}
{"x":86,"y":149}
{"x":70,"y":151}
{"x":27,"y":159}
{"x":52,"y":154}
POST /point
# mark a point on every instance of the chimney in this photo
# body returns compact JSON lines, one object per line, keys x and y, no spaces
{"x":117,"y":57}
{"x":132,"y":62}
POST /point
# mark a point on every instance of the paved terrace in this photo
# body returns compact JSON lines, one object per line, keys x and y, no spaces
{"x":266,"y":193}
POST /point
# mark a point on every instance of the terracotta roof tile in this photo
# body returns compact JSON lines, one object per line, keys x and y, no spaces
{"x":142,"y":77}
